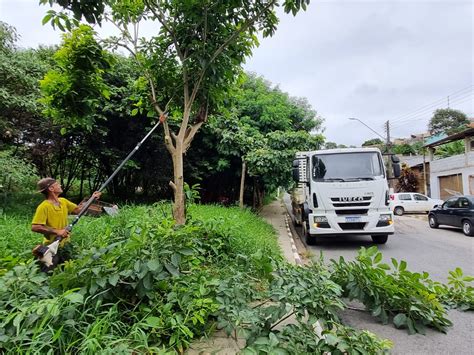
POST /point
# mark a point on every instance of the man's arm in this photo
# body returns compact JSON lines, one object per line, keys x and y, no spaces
{"x":78,"y":209}
{"x":42,"y":229}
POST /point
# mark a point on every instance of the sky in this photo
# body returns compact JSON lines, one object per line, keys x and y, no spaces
{"x":374,"y":60}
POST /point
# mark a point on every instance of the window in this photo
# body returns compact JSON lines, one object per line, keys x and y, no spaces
{"x":463,"y":203}
{"x":451,"y":203}
{"x":404,"y":197}
{"x":419,"y":197}
{"x":347,"y":166}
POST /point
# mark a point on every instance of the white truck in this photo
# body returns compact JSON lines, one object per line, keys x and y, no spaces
{"x":342,"y":192}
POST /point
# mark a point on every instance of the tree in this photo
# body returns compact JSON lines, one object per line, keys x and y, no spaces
{"x":404,"y":149}
{"x":407,"y":182}
{"x":257,"y":113}
{"x":330,"y":145}
{"x":198,"y":50}
{"x":450,"y":149}
{"x":448,"y":121}
{"x":374,"y":141}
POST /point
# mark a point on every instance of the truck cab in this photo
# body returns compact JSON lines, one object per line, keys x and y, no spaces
{"x":342,"y":192}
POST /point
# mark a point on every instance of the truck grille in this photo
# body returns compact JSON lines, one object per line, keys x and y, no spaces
{"x":341,"y":202}
{"x":352,"y":212}
{"x":351,"y":204}
{"x":352,"y":226}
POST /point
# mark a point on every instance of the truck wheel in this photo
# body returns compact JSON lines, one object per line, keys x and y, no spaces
{"x":380,"y":239}
{"x":309,"y":239}
{"x":467,"y":228}
{"x":398,"y":211}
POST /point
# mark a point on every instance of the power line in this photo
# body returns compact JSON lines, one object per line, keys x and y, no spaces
{"x":435,"y":103}
{"x":415,"y":117}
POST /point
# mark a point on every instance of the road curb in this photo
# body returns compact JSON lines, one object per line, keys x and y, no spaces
{"x":296,"y":255}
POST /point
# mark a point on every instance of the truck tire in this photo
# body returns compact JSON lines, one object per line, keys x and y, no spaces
{"x":308,"y":238}
{"x":380,"y":239}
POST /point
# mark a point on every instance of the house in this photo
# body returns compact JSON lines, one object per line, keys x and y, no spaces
{"x":455,"y":174}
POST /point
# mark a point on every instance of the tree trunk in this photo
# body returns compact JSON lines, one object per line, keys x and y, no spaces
{"x":179,"y":213}
{"x":242,"y":185}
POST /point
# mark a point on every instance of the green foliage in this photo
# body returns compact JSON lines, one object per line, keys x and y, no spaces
{"x":71,"y":93}
{"x":395,"y":292}
{"x":16,"y":174}
{"x":448,"y":121}
{"x":407,"y":181}
{"x":374,"y":141}
{"x":308,"y":296}
{"x":457,"y":293}
{"x":450,"y":149}
{"x":139,"y":283}
{"x":403,"y":149}
{"x":192,"y":193}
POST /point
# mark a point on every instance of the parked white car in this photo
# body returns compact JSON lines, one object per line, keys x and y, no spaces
{"x":412,"y":202}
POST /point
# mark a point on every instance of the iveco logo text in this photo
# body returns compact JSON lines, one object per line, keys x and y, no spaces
{"x":348,"y":199}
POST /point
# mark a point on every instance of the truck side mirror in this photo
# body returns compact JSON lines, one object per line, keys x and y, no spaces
{"x":299,"y":170}
{"x":396,"y":169}
{"x":296,"y":170}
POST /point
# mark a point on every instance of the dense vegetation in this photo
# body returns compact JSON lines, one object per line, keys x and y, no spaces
{"x":257,"y":123}
{"x":141,"y":284}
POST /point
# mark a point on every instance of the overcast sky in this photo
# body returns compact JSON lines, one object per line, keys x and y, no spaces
{"x":375,"y":60}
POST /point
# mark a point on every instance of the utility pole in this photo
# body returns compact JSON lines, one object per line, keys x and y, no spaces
{"x":389,"y":148}
{"x":425,"y":187}
{"x":389,"y":151}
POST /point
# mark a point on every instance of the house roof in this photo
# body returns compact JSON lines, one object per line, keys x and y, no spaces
{"x":411,"y":160}
{"x":469,"y":132}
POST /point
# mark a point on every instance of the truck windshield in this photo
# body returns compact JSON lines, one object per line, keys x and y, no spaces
{"x":356,"y":166}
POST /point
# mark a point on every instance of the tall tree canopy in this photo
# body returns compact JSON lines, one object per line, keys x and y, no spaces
{"x":255,"y":137}
{"x":188,"y":64}
{"x":447,"y":121}
{"x":374,"y":141}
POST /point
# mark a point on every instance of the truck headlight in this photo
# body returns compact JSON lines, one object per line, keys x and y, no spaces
{"x":320,"y":219}
{"x":384,"y":220}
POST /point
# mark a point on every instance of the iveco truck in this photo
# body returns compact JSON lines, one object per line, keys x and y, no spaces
{"x":343,"y":192}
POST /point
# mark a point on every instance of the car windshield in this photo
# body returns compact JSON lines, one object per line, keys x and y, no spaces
{"x":347,"y":167}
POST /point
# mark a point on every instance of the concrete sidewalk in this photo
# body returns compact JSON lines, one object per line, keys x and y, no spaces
{"x":275,"y":214}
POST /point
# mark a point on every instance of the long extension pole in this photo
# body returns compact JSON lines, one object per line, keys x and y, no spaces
{"x":103,"y":186}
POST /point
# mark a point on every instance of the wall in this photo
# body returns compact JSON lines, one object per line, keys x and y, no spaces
{"x":458,"y":164}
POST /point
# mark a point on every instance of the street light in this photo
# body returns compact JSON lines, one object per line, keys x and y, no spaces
{"x":356,"y":119}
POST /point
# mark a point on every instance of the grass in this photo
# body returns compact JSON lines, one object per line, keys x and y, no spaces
{"x":251,"y":233}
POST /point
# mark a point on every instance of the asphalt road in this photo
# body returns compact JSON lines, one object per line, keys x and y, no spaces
{"x":435,"y":251}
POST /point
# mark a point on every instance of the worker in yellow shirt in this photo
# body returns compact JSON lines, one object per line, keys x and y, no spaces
{"x":50,"y":218}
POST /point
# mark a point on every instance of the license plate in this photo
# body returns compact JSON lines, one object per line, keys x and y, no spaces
{"x":353,"y":219}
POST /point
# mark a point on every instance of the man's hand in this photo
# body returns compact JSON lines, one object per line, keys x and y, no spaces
{"x":63,"y":233}
{"x":97,"y":194}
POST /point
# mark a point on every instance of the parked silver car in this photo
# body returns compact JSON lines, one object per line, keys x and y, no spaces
{"x":412,"y":202}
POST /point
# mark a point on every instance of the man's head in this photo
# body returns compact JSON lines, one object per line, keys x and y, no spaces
{"x":49,"y":185}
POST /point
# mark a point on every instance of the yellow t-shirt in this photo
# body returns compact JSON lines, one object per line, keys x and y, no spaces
{"x":53,"y":216}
